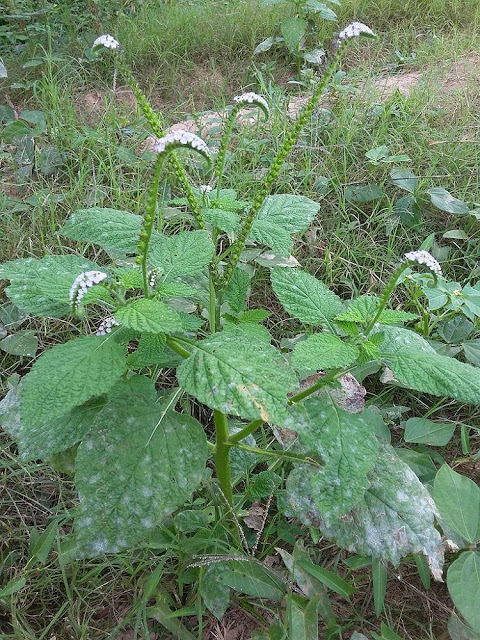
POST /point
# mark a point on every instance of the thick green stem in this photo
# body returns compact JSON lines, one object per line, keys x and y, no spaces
{"x":276,"y":454}
{"x":246,"y":431}
{"x":173,"y":344}
{"x":221,"y":456}
{"x":273,"y":172}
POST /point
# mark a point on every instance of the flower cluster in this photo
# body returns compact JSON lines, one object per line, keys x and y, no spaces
{"x":353,"y":30}
{"x":205,"y":188}
{"x":424,"y":258}
{"x":106,"y":41}
{"x":82,"y":283}
{"x":181,"y":139}
{"x":252,"y":98}
{"x":152,"y":276}
{"x":106,"y":326}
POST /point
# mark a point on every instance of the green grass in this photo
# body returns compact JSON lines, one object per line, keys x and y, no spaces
{"x":192,"y":57}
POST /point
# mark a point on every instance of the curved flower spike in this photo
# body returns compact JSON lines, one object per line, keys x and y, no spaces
{"x":422,"y":257}
{"x":82,"y":283}
{"x":106,"y":326}
{"x":153,"y":276}
{"x":353,"y":30}
{"x":106,"y":41}
{"x":253,"y":99}
{"x":205,"y":189}
{"x":181,"y":139}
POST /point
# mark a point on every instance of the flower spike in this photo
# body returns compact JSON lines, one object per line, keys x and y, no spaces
{"x":106,"y":326}
{"x":82,"y":283}
{"x":178,"y":139}
{"x":353,"y":30}
{"x":251,"y":99}
{"x":422,"y":257}
{"x":106,"y":41}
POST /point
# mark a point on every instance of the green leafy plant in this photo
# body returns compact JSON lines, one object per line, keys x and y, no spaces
{"x":300,"y":31}
{"x":146,"y":442}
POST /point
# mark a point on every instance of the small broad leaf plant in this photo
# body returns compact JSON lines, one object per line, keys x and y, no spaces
{"x":180,"y":302}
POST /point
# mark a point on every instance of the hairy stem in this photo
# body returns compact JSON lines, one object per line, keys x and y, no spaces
{"x":246,"y":431}
{"x":385,"y":297}
{"x":173,"y":344}
{"x":222,"y":454}
{"x":276,"y":454}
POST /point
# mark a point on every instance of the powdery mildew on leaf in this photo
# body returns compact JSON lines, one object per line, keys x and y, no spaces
{"x":347,"y":447}
{"x":305,"y":297}
{"x":394,"y":518}
{"x":239,"y":375}
{"x":144,"y":461}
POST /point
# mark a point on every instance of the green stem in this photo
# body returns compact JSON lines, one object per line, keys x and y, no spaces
{"x":276,"y":454}
{"x":149,"y":219}
{"x":222,"y":152}
{"x":285,"y":148}
{"x":212,"y":309}
{"x":385,"y":297}
{"x":322,"y":382}
{"x":221,"y":456}
{"x":173,"y":344}
{"x":246,"y":431}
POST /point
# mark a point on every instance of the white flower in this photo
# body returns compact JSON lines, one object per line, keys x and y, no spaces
{"x":353,"y":30}
{"x":82,"y":283}
{"x":205,"y":188}
{"x":252,"y":98}
{"x":106,"y":326}
{"x":106,"y":41}
{"x":424,"y":258}
{"x":152,"y":276}
{"x":178,"y":139}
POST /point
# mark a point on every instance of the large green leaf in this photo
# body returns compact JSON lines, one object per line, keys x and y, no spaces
{"x":415,"y":364}
{"x":458,"y":501}
{"x":111,"y":229}
{"x":236,"y":292}
{"x":149,"y":315}
{"x":293,"y":31}
{"x":280,"y":217}
{"x":43,"y":439}
{"x":305,"y":297}
{"x":41,"y":286}
{"x":347,"y":447}
{"x":444,"y":201}
{"x":254,"y":579}
{"x":394,"y":518}
{"x":239,"y":375}
{"x":68,"y":375}
{"x":463,"y":581}
{"x":424,"y":431}
{"x":364,"y":308}
{"x":142,"y":464}
{"x":323,"y":351}
{"x":186,"y":253}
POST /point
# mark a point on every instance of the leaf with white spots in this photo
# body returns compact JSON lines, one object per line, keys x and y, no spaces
{"x":347,"y":447}
{"x":239,"y":375}
{"x":143,"y":462}
{"x":395,"y":517}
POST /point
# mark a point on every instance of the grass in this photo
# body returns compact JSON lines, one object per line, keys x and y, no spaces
{"x":194,"y":57}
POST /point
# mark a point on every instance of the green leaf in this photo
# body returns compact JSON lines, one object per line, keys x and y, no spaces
{"x":253,"y":579}
{"x":471,"y":349}
{"x":21,"y":343}
{"x":41,"y":286}
{"x":293,"y":32}
{"x":362,"y":310}
{"x":41,"y":544}
{"x":151,"y":347}
{"x":347,"y":447}
{"x":214,"y":593}
{"x":254,"y":315}
{"x":224,"y":220}
{"x":471,"y":299}
{"x":330,"y":579}
{"x":236,"y":292}
{"x":273,"y":236}
{"x":424,"y":431}
{"x":360,"y":195}
{"x":455,"y":330}
{"x":458,"y":502}
{"x":68,"y":375}
{"x":265,"y":45}
{"x":149,"y":315}
{"x":408,"y":210}
{"x":185,"y":253}
{"x":323,"y":351}
{"x":321,"y":10}
{"x":420,"y":463}
{"x":463,"y":581}
{"x":305,"y":297}
{"x":394,"y":518}
{"x":240,"y":376}
{"x":459,"y":631}
{"x":290,"y":212}
{"x":144,"y":463}
{"x":444,"y":201}
{"x":15,"y":129}
{"x":43,"y":439}
{"x":12,"y":586}
{"x":379,"y":579}
{"x":415,"y":364}
{"x":302,"y":619}
{"x":111,"y":229}
{"x":404,"y":179}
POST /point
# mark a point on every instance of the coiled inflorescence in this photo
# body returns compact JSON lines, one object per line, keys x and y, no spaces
{"x":253,"y":99}
{"x":106,"y":41}
{"x":153,"y":276}
{"x":426,"y":259}
{"x":82,"y":283}
{"x":353,"y":30}
{"x":178,"y":139}
{"x":106,"y":326}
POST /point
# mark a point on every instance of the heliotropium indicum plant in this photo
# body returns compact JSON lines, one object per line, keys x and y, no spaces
{"x":180,"y":302}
